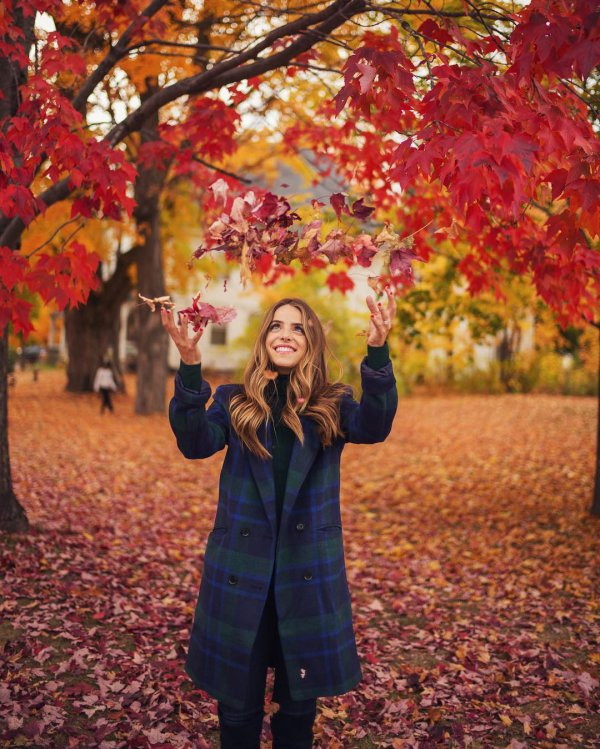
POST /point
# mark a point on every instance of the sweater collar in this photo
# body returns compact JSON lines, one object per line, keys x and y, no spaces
{"x":279,"y":389}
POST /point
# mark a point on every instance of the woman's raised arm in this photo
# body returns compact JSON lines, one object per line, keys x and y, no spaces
{"x":370,"y":420}
{"x":199,"y":432}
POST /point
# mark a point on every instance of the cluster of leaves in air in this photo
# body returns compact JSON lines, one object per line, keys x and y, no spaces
{"x":499,"y":156}
{"x":199,"y":313}
{"x":476,"y":624}
{"x":260,"y":232}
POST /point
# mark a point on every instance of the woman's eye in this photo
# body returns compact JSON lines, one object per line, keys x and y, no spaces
{"x":299,"y":329}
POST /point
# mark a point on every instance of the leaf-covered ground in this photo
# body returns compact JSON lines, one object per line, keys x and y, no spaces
{"x":472,"y":561}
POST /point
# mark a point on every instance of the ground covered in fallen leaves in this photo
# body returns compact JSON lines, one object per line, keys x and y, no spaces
{"x":472,"y":560}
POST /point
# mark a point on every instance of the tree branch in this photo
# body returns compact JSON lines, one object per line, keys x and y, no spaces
{"x":233,"y":70}
{"x":54,"y":233}
{"x":116,"y":53}
{"x":222,"y":74}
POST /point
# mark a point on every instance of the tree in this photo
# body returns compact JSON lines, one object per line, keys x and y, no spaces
{"x":485,"y":106}
{"x":47,"y":123}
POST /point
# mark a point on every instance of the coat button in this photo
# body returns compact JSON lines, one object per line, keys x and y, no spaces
{"x":245,"y":532}
{"x":299,"y":526}
{"x":232,"y":579}
{"x":307,"y":576}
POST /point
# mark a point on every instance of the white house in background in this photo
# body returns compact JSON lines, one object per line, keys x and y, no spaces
{"x":483,"y":353}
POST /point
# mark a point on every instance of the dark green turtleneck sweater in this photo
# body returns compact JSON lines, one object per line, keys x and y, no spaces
{"x":283,"y":437}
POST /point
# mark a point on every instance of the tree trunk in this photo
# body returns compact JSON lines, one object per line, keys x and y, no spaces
{"x":90,"y":330}
{"x":595,"y":508}
{"x":94,"y":327}
{"x":152,"y":339}
{"x":13,"y":518}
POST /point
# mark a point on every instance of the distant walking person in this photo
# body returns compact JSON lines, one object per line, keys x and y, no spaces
{"x":105,"y":384}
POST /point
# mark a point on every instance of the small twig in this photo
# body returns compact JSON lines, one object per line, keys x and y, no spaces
{"x":49,"y":240}
{"x":219,"y":169}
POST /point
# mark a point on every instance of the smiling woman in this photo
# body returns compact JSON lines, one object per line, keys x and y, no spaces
{"x":286,"y":340}
{"x":274,"y":590}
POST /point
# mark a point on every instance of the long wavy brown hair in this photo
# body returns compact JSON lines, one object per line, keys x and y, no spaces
{"x":308,"y":392}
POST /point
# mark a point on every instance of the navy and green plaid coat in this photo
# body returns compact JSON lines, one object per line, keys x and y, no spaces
{"x":307,"y":558}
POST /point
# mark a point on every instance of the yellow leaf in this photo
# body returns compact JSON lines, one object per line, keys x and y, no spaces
{"x":328,"y":713}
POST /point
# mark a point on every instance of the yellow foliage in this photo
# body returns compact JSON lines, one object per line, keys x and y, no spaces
{"x":53,"y":228}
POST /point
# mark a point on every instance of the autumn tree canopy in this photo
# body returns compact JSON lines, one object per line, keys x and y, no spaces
{"x":465,"y":120}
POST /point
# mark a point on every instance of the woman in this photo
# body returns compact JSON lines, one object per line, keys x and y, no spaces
{"x":274,"y":589}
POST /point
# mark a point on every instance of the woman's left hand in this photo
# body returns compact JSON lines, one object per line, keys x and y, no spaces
{"x":381,"y":319}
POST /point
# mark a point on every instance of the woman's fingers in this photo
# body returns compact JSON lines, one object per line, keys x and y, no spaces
{"x":382,"y":319}
{"x":197,"y":336}
{"x":391,"y":306}
{"x":167,"y":320}
{"x":180,"y":334}
{"x":371,"y":304}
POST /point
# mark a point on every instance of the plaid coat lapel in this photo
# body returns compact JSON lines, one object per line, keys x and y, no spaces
{"x":262,"y":471}
{"x":302,"y":458}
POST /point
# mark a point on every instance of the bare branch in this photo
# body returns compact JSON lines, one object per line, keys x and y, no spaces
{"x":186,"y":45}
{"x":221,"y":74}
{"x":116,"y":53}
{"x":234,"y":70}
{"x":55,"y":232}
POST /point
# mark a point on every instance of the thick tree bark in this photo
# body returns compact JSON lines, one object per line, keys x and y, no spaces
{"x":152,"y":339}
{"x":13,"y":518}
{"x":595,"y":508}
{"x":91,"y":329}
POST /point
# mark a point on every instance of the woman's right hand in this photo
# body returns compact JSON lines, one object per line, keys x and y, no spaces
{"x":188,"y":347}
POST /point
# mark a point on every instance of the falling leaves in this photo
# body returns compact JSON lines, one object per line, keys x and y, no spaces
{"x":201,"y":313}
{"x":463,"y":538}
{"x":161,"y":301}
{"x":259,"y":231}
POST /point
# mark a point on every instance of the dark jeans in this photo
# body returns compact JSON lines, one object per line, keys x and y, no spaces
{"x":267,"y":650}
{"x":106,"y":399}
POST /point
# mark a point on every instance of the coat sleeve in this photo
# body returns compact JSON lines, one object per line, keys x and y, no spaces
{"x":200,"y":432}
{"x":370,"y":420}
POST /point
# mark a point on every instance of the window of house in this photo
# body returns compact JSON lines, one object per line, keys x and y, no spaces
{"x":218,"y":335}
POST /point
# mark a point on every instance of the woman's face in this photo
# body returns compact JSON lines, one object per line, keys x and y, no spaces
{"x":286,"y":340}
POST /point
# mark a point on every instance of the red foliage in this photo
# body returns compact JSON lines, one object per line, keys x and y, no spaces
{"x":502,"y":159}
{"x":483,"y":138}
{"x":201,"y":313}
